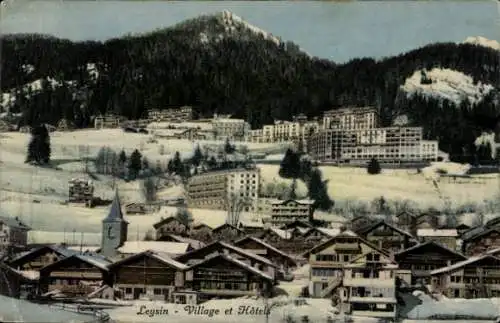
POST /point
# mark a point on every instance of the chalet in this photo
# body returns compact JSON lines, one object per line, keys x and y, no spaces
{"x":327,"y":261}
{"x":225,"y":276}
{"x":418,"y":261}
{"x":220,"y":247}
{"x":369,"y":286}
{"x":297,"y":224}
{"x":11,"y":281}
{"x":75,"y":275}
{"x":169,"y":225}
{"x":481,"y":241}
{"x":254,"y":228}
{"x":193,"y":243}
{"x":227,"y":232}
{"x":201,"y":232}
{"x":446,"y":237}
{"x":287,"y":211}
{"x":476,"y":277}
{"x":38,"y":258}
{"x":13,"y":234}
{"x":107,"y":121}
{"x":267,"y":251}
{"x":147,"y":274}
{"x":166,"y":247}
{"x":406,"y":219}
{"x":388,"y":237}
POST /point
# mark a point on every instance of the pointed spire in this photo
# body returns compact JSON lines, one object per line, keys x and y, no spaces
{"x":115,"y":213}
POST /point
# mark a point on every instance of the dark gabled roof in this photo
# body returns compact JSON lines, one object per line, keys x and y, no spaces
{"x":32,"y":253}
{"x":472,"y":232}
{"x":327,"y":243}
{"x":432,"y":243}
{"x":480,"y":234}
{"x":222,"y":226}
{"x":265,"y":245}
{"x":374,"y":226}
{"x":493,"y":222}
{"x":406,"y":213}
{"x":97,"y":261}
{"x":236,"y":262}
{"x":155,"y":255}
{"x":115,"y":213}
{"x":296,"y":223}
{"x":166,"y":220}
{"x":463,"y":226}
{"x":222,"y":245}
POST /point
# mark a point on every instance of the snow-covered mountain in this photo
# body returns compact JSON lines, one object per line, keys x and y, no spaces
{"x":445,"y":84}
{"x":482,"y":41}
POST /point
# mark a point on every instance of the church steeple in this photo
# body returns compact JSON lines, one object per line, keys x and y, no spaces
{"x":115,"y":213}
{"x":114,"y":229}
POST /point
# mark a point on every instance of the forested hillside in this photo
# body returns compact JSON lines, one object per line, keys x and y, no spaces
{"x":229,"y":68}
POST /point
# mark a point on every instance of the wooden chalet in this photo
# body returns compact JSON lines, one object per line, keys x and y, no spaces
{"x":147,"y":274}
{"x":225,"y":276}
{"x":327,"y":261}
{"x":76,"y":275}
{"x":476,"y":277}
{"x":167,"y":247}
{"x":360,"y":222}
{"x":227,"y":232}
{"x":136,"y":208}
{"x":254,"y":228}
{"x":11,"y":281}
{"x":261,"y":248}
{"x":40,"y":257}
{"x":481,"y":241}
{"x":169,"y":225}
{"x":421,"y":259}
{"x":388,"y":237}
{"x":220,"y":247}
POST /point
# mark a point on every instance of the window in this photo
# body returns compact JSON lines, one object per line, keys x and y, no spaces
{"x":157,"y":291}
{"x":128,"y":290}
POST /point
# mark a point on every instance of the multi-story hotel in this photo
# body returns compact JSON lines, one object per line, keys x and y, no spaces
{"x":181,"y":114}
{"x":354,"y":139}
{"x":213,"y":190}
{"x":285,"y":131}
{"x":234,"y":129}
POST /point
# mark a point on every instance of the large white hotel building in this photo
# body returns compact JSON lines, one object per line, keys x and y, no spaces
{"x":351,"y":135}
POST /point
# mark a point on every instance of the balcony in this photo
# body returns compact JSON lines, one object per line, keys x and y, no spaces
{"x":76,"y":274}
{"x":372,"y":282}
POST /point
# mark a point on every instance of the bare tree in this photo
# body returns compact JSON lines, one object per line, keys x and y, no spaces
{"x":234,"y":205}
{"x":149,"y":188}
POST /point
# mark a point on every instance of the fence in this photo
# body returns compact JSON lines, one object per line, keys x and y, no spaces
{"x":99,"y":315}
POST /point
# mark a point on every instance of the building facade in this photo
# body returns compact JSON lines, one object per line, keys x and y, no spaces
{"x":224,"y":189}
{"x":13,"y":234}
{"x":233,"y":129}
{"x":352,"y":135}
{"x":177,"y":115}
{"x":288,"y":211}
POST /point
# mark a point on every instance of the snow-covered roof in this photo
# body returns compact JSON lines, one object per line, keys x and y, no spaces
{"x":437,"y":233}
{"x":460,"y":264}
{"x":247,"y":253}
{"x":29,"y":274}
{"x":175,"y":248}
{"x":304,"y":201}
{"x":266,"y":245}
{"x":283,"y":234}
{"x":98,"y":261}
{"x":84,"y":248}
{"x":194,"y":243}
{"x":12,"y":222}
{"x":65,"y":252}
{"x":237,"y":262}
{"x":162,"y":257}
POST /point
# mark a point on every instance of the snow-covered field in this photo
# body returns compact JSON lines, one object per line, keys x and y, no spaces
{"x":37,"y":194}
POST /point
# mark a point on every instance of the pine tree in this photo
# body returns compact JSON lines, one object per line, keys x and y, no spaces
{"x":145,"y":163}
{"x":197,"y":156}
{"x":318,"y":191}
{"x":177,"y":165}
{"x":228,"y":148}
{"x":122,"y":158}
{"x":373,"y":167}
{"x":135,"y":164}
{"x":39,"y":150}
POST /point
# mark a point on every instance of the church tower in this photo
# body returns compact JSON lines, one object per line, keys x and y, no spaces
{"x":114,"y":229}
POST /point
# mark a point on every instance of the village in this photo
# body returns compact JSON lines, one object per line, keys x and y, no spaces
{"x":366,"y":265}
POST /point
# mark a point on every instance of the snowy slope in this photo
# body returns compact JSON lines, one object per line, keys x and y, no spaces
{"x":446,"y":84}
{"x":232,"y":22}
{"x":482,"y":41}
